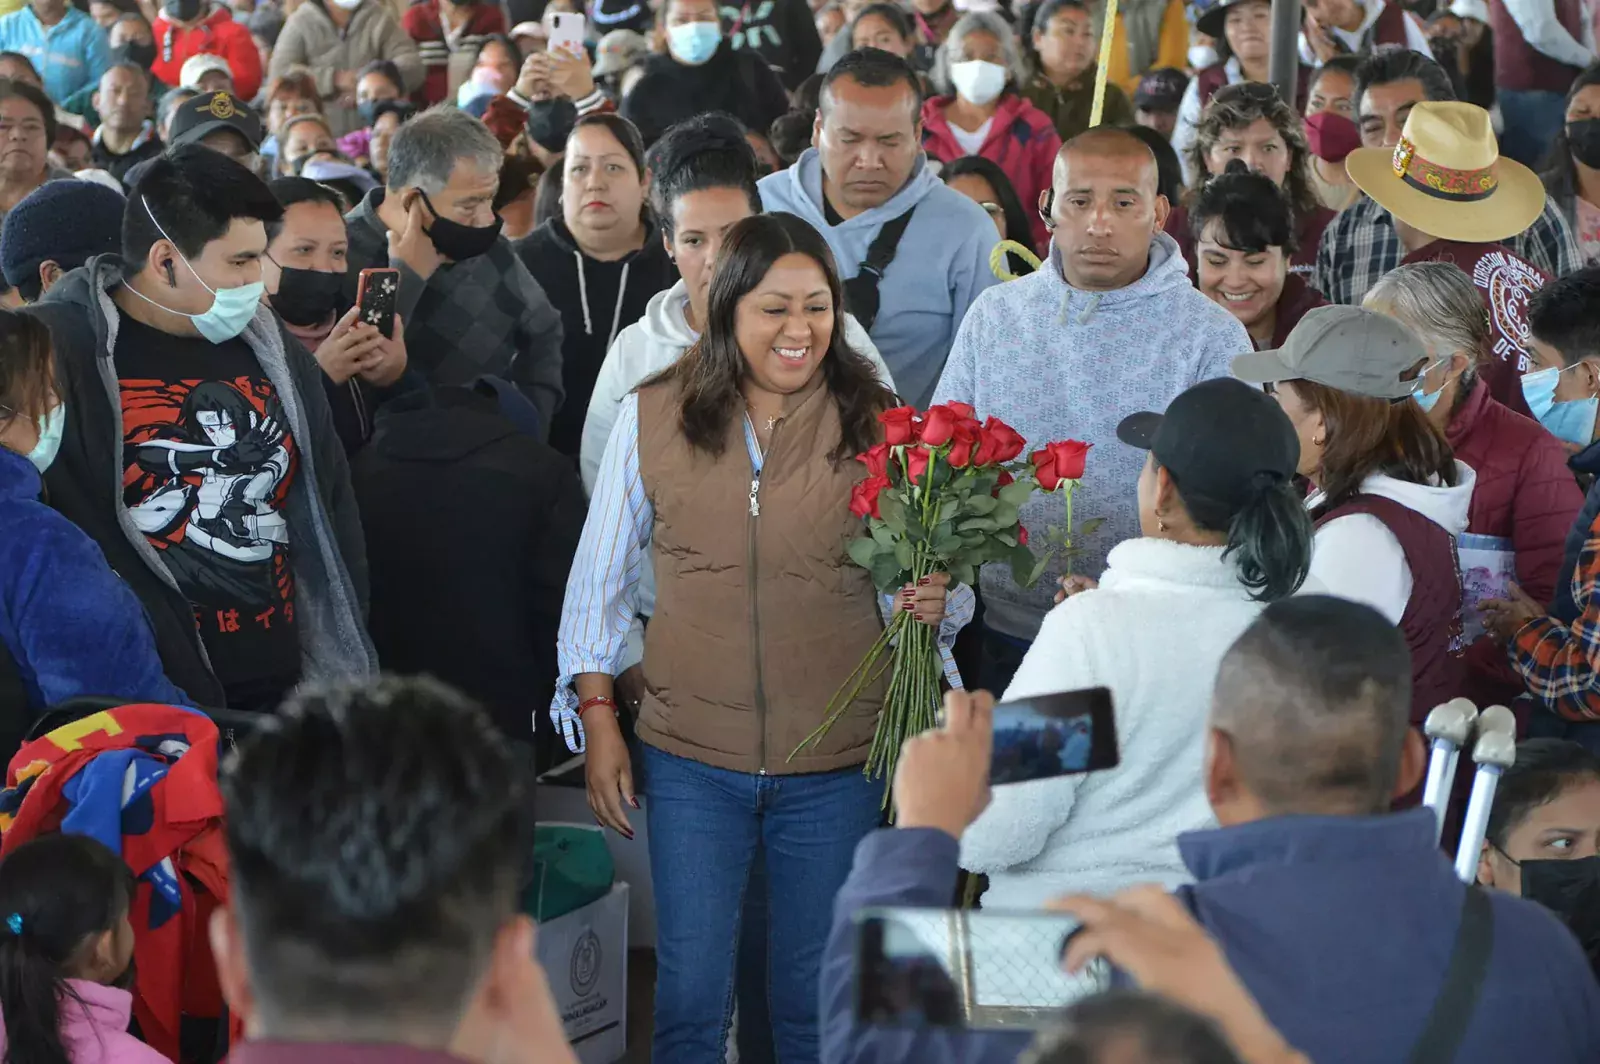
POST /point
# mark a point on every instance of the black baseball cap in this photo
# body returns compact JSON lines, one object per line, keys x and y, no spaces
{"x":1221,"y":439}
{"x":210,"y":112}
{"x":1161,"y":90}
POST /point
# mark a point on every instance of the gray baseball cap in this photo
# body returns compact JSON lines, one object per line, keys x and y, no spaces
{"x":1347,"y":348}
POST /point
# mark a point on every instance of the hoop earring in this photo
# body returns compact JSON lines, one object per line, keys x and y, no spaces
{"x":1317,"y":441}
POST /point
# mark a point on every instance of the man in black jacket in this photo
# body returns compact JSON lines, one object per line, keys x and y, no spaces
{"x":199,"y":452}
{"x":471,"y":527}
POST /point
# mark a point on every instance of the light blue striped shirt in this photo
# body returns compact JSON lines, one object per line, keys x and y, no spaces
{"x":599,"y":605}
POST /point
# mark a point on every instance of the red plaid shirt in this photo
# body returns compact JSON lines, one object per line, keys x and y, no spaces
{"x":1561,"y":663}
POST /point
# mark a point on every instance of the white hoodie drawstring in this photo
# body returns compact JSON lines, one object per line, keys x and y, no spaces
{"x":583,"y":295}
{"x":1094,"y":301}
{"x":616,"y":316}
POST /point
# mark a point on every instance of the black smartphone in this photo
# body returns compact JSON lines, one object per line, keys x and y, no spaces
{"x":377,"y":292}
{"x":1053,"y":735}
{"x":962,"y":968}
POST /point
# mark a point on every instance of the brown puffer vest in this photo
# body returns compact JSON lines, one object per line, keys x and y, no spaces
{"x":760,"y":614}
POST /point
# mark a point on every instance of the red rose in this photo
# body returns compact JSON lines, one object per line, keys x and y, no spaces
{"x":1007,"y":442}
{"x":1005,"y":478}
{"x":938,"y":425}
{"x":916,"y":464}
{"x":876,"y":460}
{"x":967,"y":434}
{"x":962,"y":410}
{"x":1022,"y":536}
{"x":899,"y":425}
{"x":1059,"y":461}
{"x":864,"y":496}
{"x":984,"y":453}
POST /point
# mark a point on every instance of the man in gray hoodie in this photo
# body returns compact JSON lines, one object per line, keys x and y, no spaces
{"x":866,"y":180}
{"x":1110,"y":325}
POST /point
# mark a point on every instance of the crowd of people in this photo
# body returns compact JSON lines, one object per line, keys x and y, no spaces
{"x":591,"y":468}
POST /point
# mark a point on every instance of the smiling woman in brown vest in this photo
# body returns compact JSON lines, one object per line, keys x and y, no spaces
{"x":736,"y":463}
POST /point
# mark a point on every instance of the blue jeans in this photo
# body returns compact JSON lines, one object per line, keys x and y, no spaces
{"x":705,"y":825}
{"x":1532,"y":120}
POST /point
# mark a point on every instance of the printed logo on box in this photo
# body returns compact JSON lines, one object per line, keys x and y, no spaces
{"x":586,"y":963}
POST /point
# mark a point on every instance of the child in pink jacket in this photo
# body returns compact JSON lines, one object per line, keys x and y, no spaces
{"x":66,"y":955}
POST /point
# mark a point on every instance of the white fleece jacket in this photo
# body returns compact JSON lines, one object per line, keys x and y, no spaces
{"x":1357,"y":558}
{"x":1154,"y":632}
{"x":640,"y":351}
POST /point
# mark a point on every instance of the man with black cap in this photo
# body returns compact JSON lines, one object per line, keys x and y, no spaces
{"x":1155,"y":102}
{"x":57,"y":227}
{"x":219,"y":121}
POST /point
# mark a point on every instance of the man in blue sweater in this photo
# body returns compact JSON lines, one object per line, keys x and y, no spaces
{"x":1340,"y":918}
{"x":867,"y":189}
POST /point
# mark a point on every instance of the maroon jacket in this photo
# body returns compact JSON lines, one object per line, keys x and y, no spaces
{"x":1215,"y":77}
{"x":1524,"y":493}
{"x":1505,"y":281}
{"x":1521,"y":67}
{"x":1308,"y":235}
{"x":421,"y":20}
{"x":1296,"y":298}
{"x":1022,"y":141}
{"x":1432,"y":620}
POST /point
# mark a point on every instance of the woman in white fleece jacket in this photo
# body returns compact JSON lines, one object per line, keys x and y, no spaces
{"x":1224,"y":533}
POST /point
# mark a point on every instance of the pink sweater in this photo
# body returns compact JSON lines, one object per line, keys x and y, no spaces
{"x":96,"y":1031}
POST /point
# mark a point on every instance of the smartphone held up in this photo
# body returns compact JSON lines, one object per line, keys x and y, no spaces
{"x":1053,"y":735}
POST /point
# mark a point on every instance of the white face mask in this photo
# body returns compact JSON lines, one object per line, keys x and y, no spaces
{"x":348,"y":5}
{"x":978,"y":81}
{"x":1202,"y":56}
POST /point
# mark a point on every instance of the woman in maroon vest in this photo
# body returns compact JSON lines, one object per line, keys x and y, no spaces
{"x":734,"y":467}
{"x":1250,"y":123}
{"x":1242,"y":30}
{"x":1388,"y":494}
{"x":1243,"y":234}
{"x":1525,"y":496}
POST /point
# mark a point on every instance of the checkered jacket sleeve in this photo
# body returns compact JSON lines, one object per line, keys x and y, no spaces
{"x":1561,"y":664}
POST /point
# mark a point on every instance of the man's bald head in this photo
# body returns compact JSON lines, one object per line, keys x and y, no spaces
{"x":1314,"y":700}
{"x":1111,"y":145}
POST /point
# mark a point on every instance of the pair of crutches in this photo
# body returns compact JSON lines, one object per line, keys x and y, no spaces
{"x":1448,"y":728}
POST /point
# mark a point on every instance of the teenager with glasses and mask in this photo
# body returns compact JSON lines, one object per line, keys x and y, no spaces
{"x":1571,"y":172}
{"x":235,"y":524}
{"x":733,"y":467}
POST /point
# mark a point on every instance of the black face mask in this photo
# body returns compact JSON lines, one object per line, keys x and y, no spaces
{"x":307,"y":298}
{"x":136,"y":52}
{"x":1583,"y":140}
{"x":1571,"y":890}
{"x":183,"y":10}
{"x":550,"y":122}
{"x":458,"y":242}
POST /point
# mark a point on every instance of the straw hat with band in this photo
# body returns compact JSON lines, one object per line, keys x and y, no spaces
{"x":1447,"y":178}
{"x":1347,"y":348}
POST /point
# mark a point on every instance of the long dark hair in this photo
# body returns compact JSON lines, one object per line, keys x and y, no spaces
{"x":1559,"y":175}
{"x":709,"y":373}
{"x":1269,"y":535}
{"x":1366,"y":436}
{"x":56,"y":892}
{"x":1018,"y":227}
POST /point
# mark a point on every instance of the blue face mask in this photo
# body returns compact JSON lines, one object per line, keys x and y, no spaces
{"x":49,"y":445}
{"x":231,"y":310}
{"x":1571,"y":421}
{"x":1427,"y":400}
{"x":694,"y":42}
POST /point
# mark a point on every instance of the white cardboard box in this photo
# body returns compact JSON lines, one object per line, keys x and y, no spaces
{"x":585,"y":958}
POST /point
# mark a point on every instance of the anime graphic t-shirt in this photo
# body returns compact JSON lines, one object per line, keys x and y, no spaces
{"x":208,"y":461}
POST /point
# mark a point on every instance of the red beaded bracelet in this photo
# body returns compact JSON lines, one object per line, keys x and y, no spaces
{"x":598,"y":700}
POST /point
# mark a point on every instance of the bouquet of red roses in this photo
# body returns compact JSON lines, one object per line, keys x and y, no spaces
{"x":943,"y":493}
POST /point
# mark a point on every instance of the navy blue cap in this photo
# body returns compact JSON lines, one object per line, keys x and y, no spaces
{"x":66,"y":222}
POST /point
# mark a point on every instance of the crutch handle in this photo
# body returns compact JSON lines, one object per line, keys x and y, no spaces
{"x":1451,"y":722}
{"x":1500,"y":721}
{"x":1495,"y":751}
